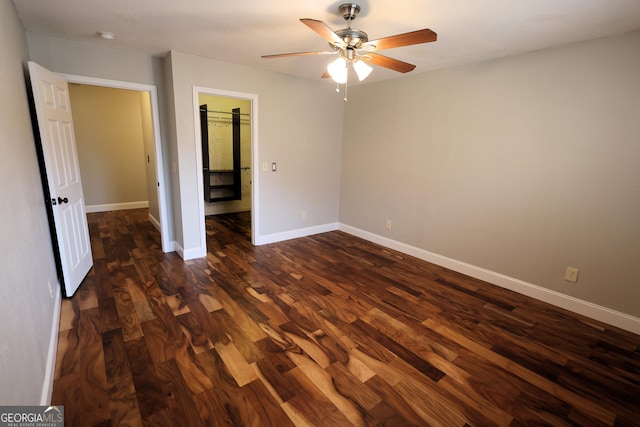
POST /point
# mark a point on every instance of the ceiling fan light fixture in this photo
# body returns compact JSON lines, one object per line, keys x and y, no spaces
{"x":362,"y":69}
{"x":338,"y":70}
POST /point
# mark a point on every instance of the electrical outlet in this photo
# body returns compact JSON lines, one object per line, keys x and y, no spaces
{"x":387,"y":224}
{"x":571,"y":275}
{"x":303,"y":215}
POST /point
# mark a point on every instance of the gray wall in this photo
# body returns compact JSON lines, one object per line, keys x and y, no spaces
{"x":522,"y":166}
{"x":27,"y":264}
{"x":299,"y":127}
{"x":90,"y":60}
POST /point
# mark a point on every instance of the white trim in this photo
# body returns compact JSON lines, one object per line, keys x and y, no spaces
{"x":255,"y":206}
{"x":585,"y":308}
{"x":173,"y":247}
{"x":155,"y":118}
{"x":117,"y":207}
{"x":50,"y":369}
{"x":294,"y":234}
{"x":154,"y":221}
{"x":191,"y":253}
{"x":179,"y":250}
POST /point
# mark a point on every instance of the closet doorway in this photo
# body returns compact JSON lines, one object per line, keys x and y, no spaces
{"x":226,"y":131}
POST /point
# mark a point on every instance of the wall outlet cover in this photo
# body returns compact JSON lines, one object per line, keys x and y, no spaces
{"x":571,"y":275}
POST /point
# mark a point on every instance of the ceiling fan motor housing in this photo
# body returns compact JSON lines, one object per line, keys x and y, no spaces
{"x":349,"y":11}
{"x":352,"y":37}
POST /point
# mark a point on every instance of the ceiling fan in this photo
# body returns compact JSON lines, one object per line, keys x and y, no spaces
{"x":354,"y":47}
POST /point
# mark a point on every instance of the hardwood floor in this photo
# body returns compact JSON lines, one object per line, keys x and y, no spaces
{"x":327,"y":330}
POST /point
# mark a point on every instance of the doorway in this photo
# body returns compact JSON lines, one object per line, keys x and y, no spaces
{"x":225,"y":125}
{"x":229,"y":116}
{"x":150,"y":160}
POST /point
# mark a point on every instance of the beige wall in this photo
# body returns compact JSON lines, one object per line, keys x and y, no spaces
{"x":220,"y":138}
{"x":110,"y":140}
{"x":26,"y":307}
{"x":521,"y":166}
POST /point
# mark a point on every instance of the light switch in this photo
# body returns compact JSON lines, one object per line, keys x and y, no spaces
{"x":274,"y":167}
{"x":265,"y":166}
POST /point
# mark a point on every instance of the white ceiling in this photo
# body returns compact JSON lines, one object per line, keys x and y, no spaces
{"x":240,"y":31}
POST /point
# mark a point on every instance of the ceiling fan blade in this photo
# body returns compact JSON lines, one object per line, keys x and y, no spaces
{"x":390,"y":63}
{"x":282,"y":55}
{"x":323,"y":31}
{"x":399,"y":40}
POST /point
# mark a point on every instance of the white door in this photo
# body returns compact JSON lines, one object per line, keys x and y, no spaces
{"x":57,"y":138}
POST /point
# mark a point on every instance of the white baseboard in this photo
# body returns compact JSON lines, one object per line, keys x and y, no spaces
{"x":117,"y":206}
{"x":155,"y":222}
{"x":179,"y":249}
{"x":294,"y":234}
{"x":192,"y":253}
{"x":50,"y":370}
{"x":585,"y":308}
{"x":172,"y":246}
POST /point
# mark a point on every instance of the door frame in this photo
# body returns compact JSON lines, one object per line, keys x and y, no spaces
{"x":161,"y":187}
{"x":253,"y":98}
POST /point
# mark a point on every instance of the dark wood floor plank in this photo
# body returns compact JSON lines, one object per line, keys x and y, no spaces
{"x":177,"y":396}
{"x":162,"y":338}
{"x":236,"y":334}
{"x":314,"y":405}
{"x":352,"y":388}
{"x":325,"y":330}
{"x":83,"y":374}
{"x":399,"y":350}
{"x":124,"y":408}
{"x":211,"y":410}
{"x":192,"y":373}
{"x":268,"y":410}
{"x":226,"y":400}
{"x":145,"y":379}
{"x":393,"y":406}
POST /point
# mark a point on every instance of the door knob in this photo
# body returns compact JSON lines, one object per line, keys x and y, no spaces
{"x":61,"y":200}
